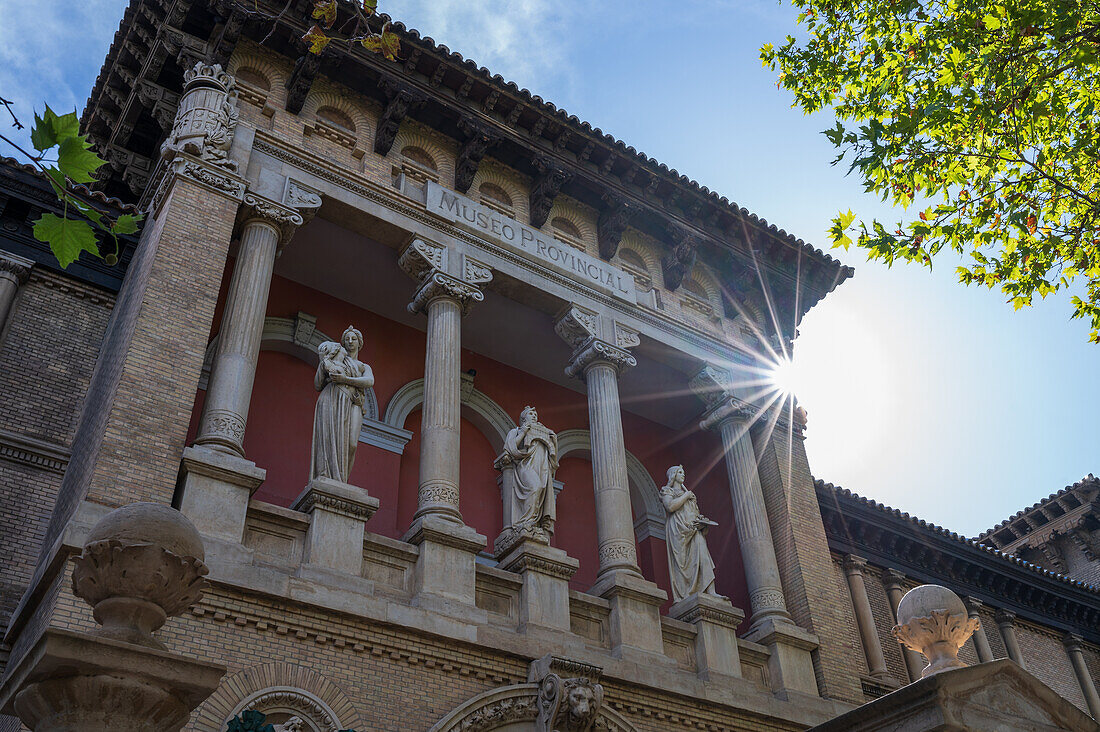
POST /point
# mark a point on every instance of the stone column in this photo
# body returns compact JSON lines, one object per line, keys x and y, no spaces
{"x":217,"y":479}
{"x":753,"y":532}
{"x":13,"y":273}
{"x":448,"y":288}
{"x":598,"y":362}
{"x":865,"y":618}
{"x":1006,"y":620}
{"x":599,"y":355}
{"x":614,"y":516}
{"x":981,"y":643}
{"x":790,"y":663}
{"x":437,"y":493}
{"x":1081,"y":670}
{"x":266,"y":227}
{"x":892,"y":581}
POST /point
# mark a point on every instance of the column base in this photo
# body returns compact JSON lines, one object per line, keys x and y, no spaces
{"x":216,"y":490}
{"x":78,"y":681}
{"x":716,"y":620}
{"x":546,"y":571}
{"x":338,"y":512}
{"x":445,"y":571}
{"x":635,"y":623}
{"x":790,"y":665}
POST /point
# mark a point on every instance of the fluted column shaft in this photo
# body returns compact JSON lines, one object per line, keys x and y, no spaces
{"x":439,"y":428}
{"x":225,"y":413}
{"x":1081,"y":671}
{"x":1006,"y":620}
{"x":865,"y":618}
{"x":891,"y":581}
{"x":753,"y":531}
{"x":614,"y":517}
{"x":981,"y":642}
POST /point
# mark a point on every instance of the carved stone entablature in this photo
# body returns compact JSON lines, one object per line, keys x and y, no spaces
{"x":440,"y":275}
{"x":711,"y":384}
{"x":399,"y":100}
{"x":678,"y":263}
{"x":475,"y":272}
{"x":577,"y":325}
{"x":284,"y":218}
{"x":206,"y":118}
{"x":213,"y":178}
{"x":299,"y":196}
{"x":421,"y":257}
{"x":595,"y":339}
{"x":547,"y":184}
{"x":454,"y":90}
{"x":478,"y":141}
{"x":612,"y":223}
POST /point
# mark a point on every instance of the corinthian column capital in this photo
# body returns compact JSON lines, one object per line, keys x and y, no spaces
{"x":892,"y":580}
{"x":595,"y":340}
{"x":443,"y":273}
{"x":854,"y":564}
{"x":441,"y":285}
{"x":596,"y":351}
{"x":284,"y":219}
{"x":712,"y":384}
{"x":728,"y":410}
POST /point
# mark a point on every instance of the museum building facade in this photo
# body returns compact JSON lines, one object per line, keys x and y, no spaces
{"x":459,"y":392}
